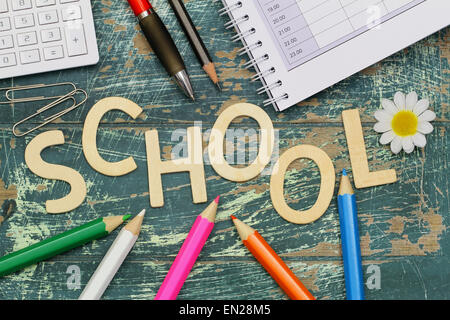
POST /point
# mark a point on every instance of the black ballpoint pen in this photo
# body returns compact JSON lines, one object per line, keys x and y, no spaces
{"x":162,"y":44}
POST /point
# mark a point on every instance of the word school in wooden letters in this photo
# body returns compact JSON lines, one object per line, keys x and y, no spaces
{"x":193,"y":163}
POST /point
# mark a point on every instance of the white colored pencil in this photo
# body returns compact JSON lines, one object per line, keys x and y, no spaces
{"x":113,"y":259}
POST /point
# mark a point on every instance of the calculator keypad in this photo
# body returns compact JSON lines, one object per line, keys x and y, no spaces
{"x":3,"y":6}
{"x":21,"y":5}
{"x":52,"y":53}
{"x":32,"y":31}
{"x":7,"y":60}
{"x":29,"y":56}
{"x":76,"y":42}
{"x":71,"y":13}
{"x":50,"y":35}
{"x":5,"y":24}
{"x":24,"y":21}
{"x":45,"y":3}
{"x":6,"y":42}
{"x":48,"y":17}
{"x":27,"y":38}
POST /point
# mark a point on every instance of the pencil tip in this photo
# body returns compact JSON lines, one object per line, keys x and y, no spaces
{"x":216,"y":200}
{"x":134,"y":226}
{"x":345,"y":186}
{"x":233,"y":217}
{"x":218,"y":86}
{"x":126,"y":217}
{"x":141,"y":213}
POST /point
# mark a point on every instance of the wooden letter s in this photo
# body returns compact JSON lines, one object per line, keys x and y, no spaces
{"x":53,"y":171}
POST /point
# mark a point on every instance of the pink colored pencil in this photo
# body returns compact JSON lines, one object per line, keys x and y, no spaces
{"x":188,"y":253}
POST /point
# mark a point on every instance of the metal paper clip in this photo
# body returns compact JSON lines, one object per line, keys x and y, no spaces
{"x":53,"y":117}
{"x":10,"y":90}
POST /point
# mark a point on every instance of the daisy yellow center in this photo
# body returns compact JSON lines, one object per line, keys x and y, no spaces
{"x":404,"y":123}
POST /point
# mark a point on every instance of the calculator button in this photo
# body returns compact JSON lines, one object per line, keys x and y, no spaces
{"x":7,"y":60}
{"x":5,"y":24}
{"x":76,"y":43}
{"x":30,"y":56}
{"x":45,"y":3}
{"x":67,"y":1}
{"x":24,"y":21}
{"x":26,"y":38}
{"x":6,"y":42}
{"x":48,"y":17}
{"x":71,"y":13}
{"x":53,"y":53}
{"x":3,"y":6}
{"x":50,"y":35}
{"x":21,"y":4}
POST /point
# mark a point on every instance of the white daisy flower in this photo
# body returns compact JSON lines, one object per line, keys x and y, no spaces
{"x":404,"y":122}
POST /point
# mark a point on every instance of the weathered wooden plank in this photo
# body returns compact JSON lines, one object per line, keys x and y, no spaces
{"x":402,"y":225}
{"x":128,"y":68}
{"x":231,"y":279}
{"x":405,"y":218}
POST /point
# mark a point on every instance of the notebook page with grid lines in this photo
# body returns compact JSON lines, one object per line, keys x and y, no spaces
{"x":301,"y":47}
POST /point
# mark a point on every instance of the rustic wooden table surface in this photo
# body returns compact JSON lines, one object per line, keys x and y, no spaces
{"x":403,"y":226}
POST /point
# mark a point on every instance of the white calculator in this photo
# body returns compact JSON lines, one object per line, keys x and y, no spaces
{"x":45,"y":35}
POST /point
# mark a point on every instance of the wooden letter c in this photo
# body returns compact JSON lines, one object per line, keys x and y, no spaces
{"x":89,"y":138}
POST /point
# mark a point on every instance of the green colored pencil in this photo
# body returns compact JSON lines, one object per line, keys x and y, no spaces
{"x":63,"y":242}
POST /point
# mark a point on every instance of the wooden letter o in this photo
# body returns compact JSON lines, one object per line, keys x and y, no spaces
{"x":327,"y":182}
{"x":215,"y":147}
{"x":89,"y":137}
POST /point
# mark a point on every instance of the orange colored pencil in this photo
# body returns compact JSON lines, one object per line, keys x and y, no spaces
{"x":273,"y":264}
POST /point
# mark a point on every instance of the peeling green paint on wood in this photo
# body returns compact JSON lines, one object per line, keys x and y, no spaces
{"x":402,"y":225}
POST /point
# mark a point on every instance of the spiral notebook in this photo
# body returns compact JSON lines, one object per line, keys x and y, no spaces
{"x":300,"y":47}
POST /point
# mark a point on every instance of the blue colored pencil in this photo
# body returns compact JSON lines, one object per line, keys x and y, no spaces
{"x":351,"y":250}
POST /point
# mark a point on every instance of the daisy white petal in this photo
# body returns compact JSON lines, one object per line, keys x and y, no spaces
{"x":382,"y":126}
{"x":387,"y":137}
{"x":410,"y":150}
{"x":383,"y":116}
{"x":427,"y":115}
{"x":424,"y":127}
{"x":421,"y":106}
{"x":411,"y":100}
{"x":419,"y":140}
{"x":400,"y":100}
{"x":389,"y":106}
{"x":396,"y":145}
{"x":407,"y":144}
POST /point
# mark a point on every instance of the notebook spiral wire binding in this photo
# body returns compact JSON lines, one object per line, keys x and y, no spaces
{"x":260,"y":75}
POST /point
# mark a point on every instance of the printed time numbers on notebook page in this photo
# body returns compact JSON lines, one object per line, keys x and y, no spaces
{"x":301,"y":47}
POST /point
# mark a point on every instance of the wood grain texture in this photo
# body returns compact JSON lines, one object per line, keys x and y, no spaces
{"x":402,"y":225}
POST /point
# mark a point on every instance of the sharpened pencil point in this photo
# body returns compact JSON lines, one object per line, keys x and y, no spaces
{"x":233,"y":217}
{"x":217,"y":199}
{"x":210,"y":211}
{"x":345,"y":186}
{"x":126,"y":217}
{"x":218,"y":86}
{"x":141,"y":213}
{"x":134,"y":226}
